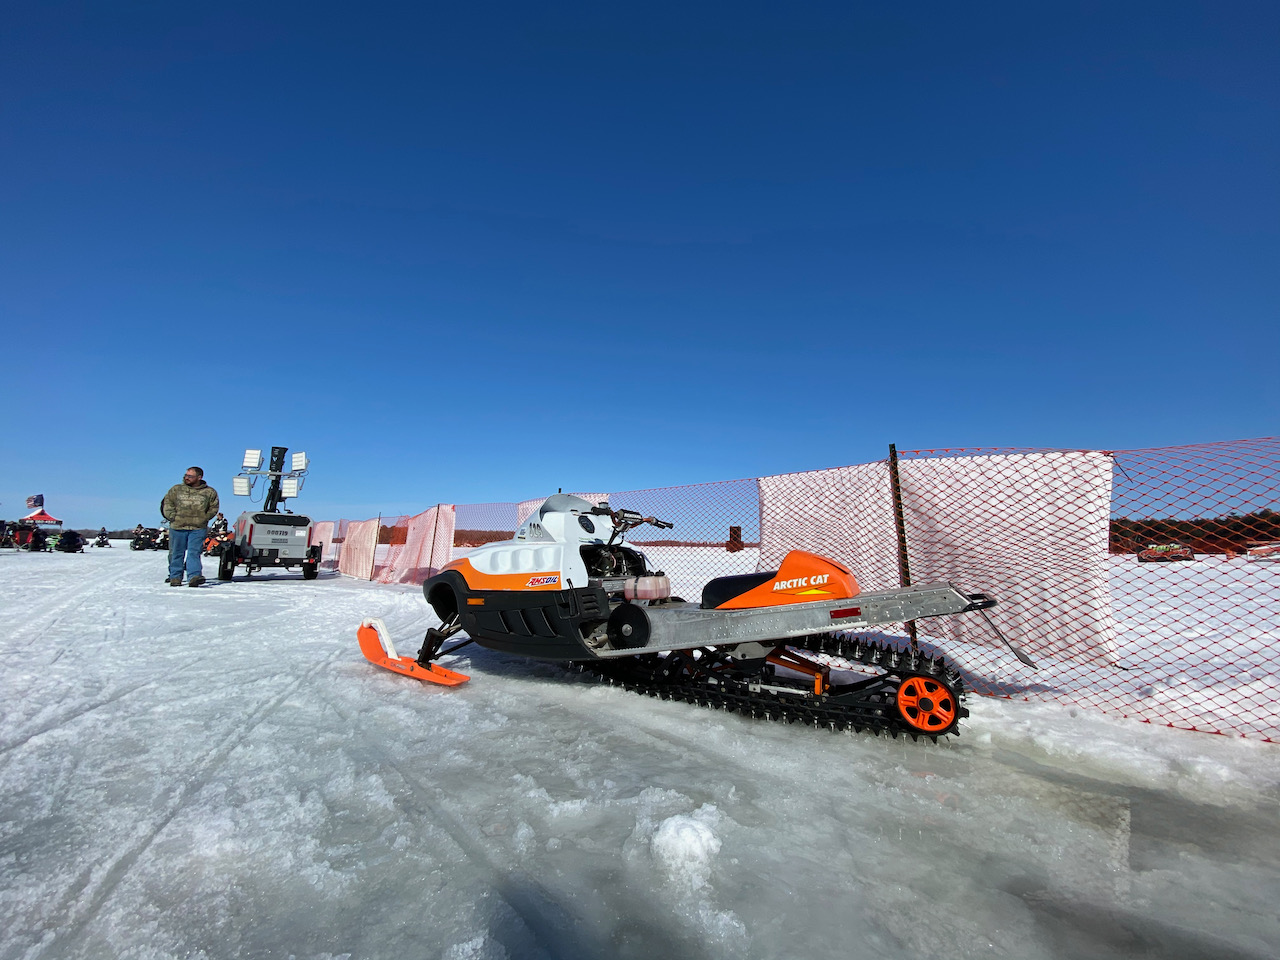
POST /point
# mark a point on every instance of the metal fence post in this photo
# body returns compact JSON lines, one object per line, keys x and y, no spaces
{"x":899,"y":521}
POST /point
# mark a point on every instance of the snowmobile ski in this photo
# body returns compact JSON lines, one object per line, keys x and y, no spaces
{"x":376,"y":645}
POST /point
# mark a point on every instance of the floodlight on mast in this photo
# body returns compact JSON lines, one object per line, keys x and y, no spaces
{"x":284,"y":484}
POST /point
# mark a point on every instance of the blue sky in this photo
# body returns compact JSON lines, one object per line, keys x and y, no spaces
{"x":469,"y":253}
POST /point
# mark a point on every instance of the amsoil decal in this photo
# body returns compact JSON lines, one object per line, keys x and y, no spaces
{"x":801,"y":582}
{"x":542,"y":581}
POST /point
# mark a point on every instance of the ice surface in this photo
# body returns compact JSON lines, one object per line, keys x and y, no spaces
{"x":218,"y":773}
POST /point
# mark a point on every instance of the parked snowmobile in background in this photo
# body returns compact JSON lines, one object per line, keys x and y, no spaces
{"x":27,"y":536}
{"x":145,"y":539}
{"x":214,"y":542}
{"x":568,"y":588}
{"x":1165,"y":553}
{"x":1260,"y":550}
{"x":70,"y":542}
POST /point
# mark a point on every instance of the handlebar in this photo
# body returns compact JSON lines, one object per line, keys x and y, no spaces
{"x":624,"y":520}
{"x":630,"y":518}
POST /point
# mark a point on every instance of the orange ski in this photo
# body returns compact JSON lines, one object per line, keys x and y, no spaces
{"x":378,"y":649}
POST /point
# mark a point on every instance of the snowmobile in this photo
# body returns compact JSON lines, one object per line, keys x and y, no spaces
{"x":26,"y":536}
{"x":1165,"y":553}
{"x":145,"y":539}
{"x":102,"y":541}
{"x":215,"y":542}
{"x":568,"y":588}
{"x":70,"y":542}
{"x":1263,"y":550}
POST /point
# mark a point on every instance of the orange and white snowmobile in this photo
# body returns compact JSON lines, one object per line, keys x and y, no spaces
{"x":568,"y":588}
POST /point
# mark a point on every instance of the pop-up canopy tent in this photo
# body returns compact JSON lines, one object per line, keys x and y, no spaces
{"x":40,"y":516}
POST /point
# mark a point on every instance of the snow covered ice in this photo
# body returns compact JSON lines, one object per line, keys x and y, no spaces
{"x":218,"y":773}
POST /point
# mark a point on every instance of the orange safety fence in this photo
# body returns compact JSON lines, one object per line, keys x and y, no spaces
{"x":359,"y":549}
{"x":330,"y":536}
{"x":1143,"y":583}
{"x":415,"y":547}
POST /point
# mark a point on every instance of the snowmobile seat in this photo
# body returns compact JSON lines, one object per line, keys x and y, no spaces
{"x":723,"y":589}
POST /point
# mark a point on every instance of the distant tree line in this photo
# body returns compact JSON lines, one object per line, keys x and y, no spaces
{"x":1230,"y":534}
{"x":393,"y":535}
{"x":475,"y":538}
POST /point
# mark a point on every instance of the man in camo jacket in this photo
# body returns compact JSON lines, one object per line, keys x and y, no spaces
{"x":188,"y":506}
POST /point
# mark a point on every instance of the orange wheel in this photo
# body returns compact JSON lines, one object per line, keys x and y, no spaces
{"x":927,"y":704}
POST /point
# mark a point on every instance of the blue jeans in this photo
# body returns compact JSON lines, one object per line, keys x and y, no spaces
{"x":188,"y":545}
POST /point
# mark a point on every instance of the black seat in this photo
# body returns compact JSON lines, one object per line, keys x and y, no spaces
{"x":723,"y":589}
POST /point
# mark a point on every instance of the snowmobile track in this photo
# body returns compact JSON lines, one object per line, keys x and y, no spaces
{"x":878,"y":714}
{"x":69,"y":600}
{"x":75,"y":714}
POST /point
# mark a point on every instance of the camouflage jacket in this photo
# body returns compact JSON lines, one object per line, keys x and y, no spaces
{"x":189,"y":508}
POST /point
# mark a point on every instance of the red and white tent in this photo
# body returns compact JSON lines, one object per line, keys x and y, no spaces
{"x":41,"y":516}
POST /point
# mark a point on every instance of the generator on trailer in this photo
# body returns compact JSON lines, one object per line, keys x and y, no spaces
{"x":270,"y":538}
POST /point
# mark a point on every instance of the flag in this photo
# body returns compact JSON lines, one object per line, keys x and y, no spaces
{"x":35,"y":501}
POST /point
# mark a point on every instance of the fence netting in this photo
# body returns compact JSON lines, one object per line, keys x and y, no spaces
{"x":996,"y":524}
{"x":1143,"y":583}
{"x":411,"y":549}
{"x":359,"y":548}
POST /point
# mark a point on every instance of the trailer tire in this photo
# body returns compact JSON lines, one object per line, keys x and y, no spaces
{"x":227,"y":563}
{"x":310,"y":571}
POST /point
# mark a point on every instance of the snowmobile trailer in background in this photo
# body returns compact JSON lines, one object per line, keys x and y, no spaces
{"x":568,"y":588}
{"x":1165,"y":553}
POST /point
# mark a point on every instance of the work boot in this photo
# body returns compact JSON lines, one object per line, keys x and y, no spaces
{"x":175,"y":581}
{"x":195,"y":581}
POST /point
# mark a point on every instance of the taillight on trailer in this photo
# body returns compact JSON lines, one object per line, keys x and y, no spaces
{"x":249,"y":539}
{"x":846,"y":612}
{"x":310,"y":531}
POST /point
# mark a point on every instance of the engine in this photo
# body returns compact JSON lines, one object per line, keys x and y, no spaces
{"x":610,"y":561}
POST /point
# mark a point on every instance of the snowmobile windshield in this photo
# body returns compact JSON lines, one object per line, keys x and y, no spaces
{"x":563,"y":503}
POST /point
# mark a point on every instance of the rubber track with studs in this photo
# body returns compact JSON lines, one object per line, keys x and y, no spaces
{"x":871,"y":707}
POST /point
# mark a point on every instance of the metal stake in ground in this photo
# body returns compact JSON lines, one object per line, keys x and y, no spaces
{"x":900,"y":523}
